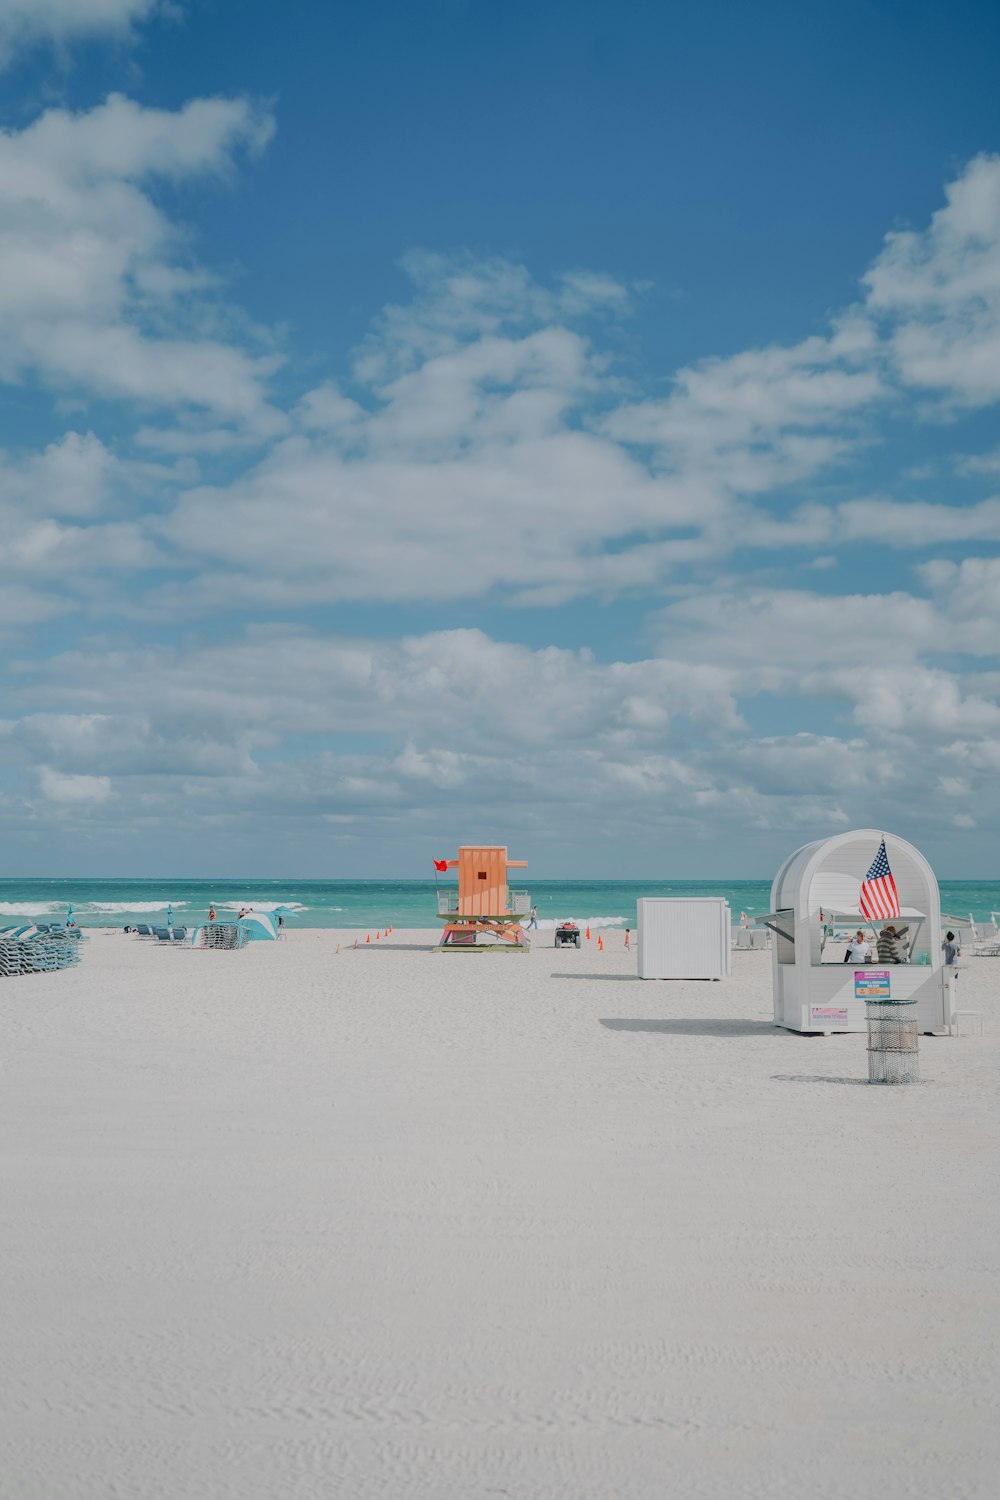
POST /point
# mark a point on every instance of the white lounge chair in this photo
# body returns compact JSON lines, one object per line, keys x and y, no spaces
{"x":985,"y":942}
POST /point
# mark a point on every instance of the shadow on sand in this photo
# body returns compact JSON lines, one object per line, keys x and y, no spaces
{"x":612,"y":978}
{"x":697,"y":1026}
{"x":813,"y":1078}
{"x":398,"y":947}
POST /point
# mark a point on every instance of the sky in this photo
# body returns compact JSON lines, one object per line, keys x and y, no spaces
{"x":571,"y":426}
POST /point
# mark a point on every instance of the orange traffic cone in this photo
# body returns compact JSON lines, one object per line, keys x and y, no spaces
{"x":368,"y":938}
{"x":378,"y":937}
{"x":600,"y":944}
{"x":588,"y":934}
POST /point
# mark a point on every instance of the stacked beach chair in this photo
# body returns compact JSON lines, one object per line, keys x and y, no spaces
{"x":33,"y":950}
{"x":220,"y":935}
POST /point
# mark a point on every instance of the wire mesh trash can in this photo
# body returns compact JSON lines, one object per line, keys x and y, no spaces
{"x":892,"y":1041}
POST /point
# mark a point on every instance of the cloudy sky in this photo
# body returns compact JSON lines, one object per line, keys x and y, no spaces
{"x":565,"y":424}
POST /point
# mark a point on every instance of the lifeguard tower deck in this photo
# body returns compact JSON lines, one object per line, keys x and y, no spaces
{"x":481,"y":915}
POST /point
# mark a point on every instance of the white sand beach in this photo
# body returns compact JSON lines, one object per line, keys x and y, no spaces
{"x":388,"y":1224}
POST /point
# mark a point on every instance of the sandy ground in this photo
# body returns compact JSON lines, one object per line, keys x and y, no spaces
{"x":288,"y":1223}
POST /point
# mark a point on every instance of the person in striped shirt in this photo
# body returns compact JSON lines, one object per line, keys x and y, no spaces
{"x":892,"y":945}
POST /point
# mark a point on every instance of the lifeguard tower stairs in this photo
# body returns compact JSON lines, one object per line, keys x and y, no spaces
{"x":481,"y":915}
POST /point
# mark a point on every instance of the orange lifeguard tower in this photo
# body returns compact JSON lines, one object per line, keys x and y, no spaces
{"x":482,"y":905}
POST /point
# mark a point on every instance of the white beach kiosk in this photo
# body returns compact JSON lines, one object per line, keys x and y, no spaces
{"x":815,"y":894}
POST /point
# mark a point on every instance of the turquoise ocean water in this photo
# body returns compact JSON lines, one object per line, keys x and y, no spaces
{"x":403,"y":903}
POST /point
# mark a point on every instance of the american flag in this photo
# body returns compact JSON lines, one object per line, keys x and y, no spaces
{"x":879,"y":897}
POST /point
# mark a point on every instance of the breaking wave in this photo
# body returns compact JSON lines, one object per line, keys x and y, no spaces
{"x":546,"y":924}
{"x":113,"y":906}
{"x":268,"y":904}
{"x":32,"y":908}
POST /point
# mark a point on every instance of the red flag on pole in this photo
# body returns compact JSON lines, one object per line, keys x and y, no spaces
{"x":441,"y":864}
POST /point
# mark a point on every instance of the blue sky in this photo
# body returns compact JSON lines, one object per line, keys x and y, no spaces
{"x":573,"y":426}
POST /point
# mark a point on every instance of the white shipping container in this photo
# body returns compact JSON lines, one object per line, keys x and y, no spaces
{"x":684,"y":937}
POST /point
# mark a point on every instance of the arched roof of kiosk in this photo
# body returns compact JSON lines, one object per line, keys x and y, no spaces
{"x":792,"y":885}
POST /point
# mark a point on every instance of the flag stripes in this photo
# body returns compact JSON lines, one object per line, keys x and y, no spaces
{"x":879,"y":897}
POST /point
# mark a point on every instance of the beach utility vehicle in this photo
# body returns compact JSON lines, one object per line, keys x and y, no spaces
{"x":481,"y":914}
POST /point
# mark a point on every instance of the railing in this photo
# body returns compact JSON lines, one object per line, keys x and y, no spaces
{"x":518,"y":902}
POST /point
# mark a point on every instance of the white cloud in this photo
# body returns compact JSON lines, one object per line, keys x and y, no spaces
{"x":480,"y":447}
{"x":980,"y":463}
{"x":24,"y":22}
{"x":918,"y":523}
{"x":762,"y":418}
{"x":650,"y":748}
{"x":73,"y":476}
{"x":58,"y":787}
{"x":22,"y":606}
{"x":938,"y":290}
{"x":780,"y":634}
{"x":90,"y":269}
{"x":459,"y":299}
{"x":483,"y":445}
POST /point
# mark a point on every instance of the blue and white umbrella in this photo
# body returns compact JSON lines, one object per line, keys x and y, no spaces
{"x":259,"y":926}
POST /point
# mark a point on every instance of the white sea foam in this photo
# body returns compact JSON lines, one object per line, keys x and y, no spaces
{"x":113,"y":906}
{"x":267,"y":904}
{"x":32,"y":908}
{"x":546,"y":924}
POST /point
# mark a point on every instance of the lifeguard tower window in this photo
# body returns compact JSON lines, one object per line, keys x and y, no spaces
{"x":481,"y":875}
{"x":784,"y":935}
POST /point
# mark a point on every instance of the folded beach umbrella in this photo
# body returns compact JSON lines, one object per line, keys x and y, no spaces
{"x":170,"y":914}
{"x":69,"y":912}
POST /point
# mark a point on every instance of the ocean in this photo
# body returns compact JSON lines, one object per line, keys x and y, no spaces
{"x":402,"y":903}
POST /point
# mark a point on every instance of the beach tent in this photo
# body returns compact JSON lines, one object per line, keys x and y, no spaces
{"x":815,"y":895}
{"x":259,"y":926}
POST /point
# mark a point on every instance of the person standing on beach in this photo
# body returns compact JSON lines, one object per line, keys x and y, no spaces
{"x":533,"y":917}
{"x":628,"y":938}
{"x":951,"y":950}
{"x":211,"y":913}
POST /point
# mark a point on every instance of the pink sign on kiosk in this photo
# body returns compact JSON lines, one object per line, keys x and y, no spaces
{"x":871,"y":984}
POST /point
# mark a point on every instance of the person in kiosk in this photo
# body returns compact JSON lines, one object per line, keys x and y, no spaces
{"x":892,"y":945}
{"x":859,"y":949}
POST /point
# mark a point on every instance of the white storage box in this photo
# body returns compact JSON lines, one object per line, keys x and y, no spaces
{"x":684,"y":937}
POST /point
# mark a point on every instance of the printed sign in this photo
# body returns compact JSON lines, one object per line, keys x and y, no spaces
{"x":871,"y":984}
{"x":828,"y":1015}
